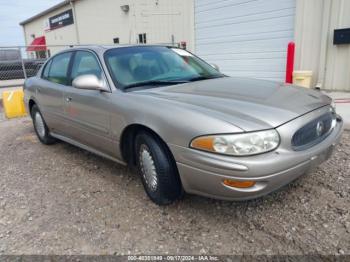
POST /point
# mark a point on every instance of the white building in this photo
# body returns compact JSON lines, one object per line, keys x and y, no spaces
{"x":246,"y":38}
{"x":111,"y":22}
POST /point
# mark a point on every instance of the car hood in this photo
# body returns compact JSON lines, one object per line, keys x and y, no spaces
{"x":249,"y":104}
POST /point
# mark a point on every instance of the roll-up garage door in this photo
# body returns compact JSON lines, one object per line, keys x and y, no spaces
{"x":246,"y":38}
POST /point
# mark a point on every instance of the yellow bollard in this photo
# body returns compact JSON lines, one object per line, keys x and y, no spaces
{"x":13,"y":103}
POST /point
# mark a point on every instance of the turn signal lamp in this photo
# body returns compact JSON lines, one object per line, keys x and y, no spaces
{"x":239,"y":184}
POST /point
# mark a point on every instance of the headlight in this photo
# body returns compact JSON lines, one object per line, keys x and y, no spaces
{"x":243,"y":144}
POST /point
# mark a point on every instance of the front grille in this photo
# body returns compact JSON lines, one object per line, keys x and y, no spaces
{"x":313,"y":132}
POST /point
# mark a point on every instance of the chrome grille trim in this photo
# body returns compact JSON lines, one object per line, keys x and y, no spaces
{"x":314,"y":132}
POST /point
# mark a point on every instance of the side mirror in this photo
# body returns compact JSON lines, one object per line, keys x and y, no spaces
{"x":216,"y":67}
{"x":89,"y":82}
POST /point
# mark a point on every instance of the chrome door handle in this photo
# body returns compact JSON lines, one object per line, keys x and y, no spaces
{"x":68,"y":99}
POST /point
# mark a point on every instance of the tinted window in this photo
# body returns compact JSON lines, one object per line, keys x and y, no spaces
{"x":85,"y":63}
{"x":59,"y":69}
{"x":46,"y":70}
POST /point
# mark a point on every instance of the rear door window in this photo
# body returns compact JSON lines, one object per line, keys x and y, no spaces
{"x":58,"y":72}
{"x":45,"y":74}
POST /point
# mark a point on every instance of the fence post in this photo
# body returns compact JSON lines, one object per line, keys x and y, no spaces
{"x":23,"y":65}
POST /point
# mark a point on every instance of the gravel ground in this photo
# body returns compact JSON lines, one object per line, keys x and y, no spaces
{"x":62,"y":200}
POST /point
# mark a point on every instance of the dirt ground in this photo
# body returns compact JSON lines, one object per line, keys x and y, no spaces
{"x":62,"y":200}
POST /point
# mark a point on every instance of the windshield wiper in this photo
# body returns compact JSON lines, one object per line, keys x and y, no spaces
{"x":199,"y":78}
{"x":170,"y":82}
{"x":156,"y":83}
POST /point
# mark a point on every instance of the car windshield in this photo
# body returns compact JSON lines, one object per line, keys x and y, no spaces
{"x":156,"y":66}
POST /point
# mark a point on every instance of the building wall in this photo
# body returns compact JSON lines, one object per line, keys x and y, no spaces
{"x":314,"y":29}
{"x":249,"y":38}
{"x":99,"y":21}
{"x":62,"y":36}
{"x":165,"y":19}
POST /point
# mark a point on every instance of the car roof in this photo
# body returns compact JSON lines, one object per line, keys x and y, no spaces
{"x":99,"y":48}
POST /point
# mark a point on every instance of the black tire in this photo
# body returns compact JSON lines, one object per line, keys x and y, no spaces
{"x":167,"y":188}
{"x":44,"y":137}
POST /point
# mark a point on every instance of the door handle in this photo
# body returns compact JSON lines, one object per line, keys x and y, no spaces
{"x":68,"y":99}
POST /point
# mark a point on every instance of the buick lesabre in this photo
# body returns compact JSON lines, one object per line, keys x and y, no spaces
{"x":181,"y":123}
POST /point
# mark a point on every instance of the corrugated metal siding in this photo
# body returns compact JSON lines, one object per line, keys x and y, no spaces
{"x":245,"y":37}
{"x":315,"y":24}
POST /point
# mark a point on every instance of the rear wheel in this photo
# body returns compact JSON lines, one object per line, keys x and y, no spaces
{"x":40,"y":127}
{"x":158,"y":169}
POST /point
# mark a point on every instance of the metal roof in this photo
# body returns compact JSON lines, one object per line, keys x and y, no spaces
{"x":51,"y":9}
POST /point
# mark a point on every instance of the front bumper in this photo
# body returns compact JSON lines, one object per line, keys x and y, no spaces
{"x":203,"y":173}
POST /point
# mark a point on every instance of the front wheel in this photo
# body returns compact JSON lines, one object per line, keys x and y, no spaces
{"x":158,"y":169}
{"x":40,"y":127}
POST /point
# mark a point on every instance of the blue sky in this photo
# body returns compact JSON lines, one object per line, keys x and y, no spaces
{"x":12,"y":12}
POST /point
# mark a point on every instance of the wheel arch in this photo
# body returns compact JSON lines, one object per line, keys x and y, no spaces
{"x":127,"y":141}
{"x":31,"y":103}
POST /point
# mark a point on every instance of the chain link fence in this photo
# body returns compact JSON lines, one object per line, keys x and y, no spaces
{"x":13,"y":66}
{"x":20,"y":62}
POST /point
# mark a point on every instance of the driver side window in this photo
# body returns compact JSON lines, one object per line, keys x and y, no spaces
{"x":85,"y":63}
